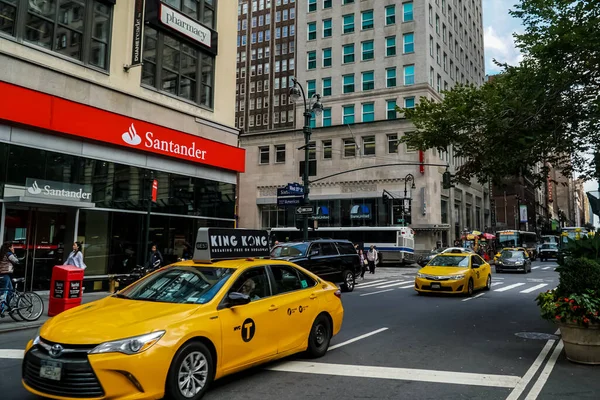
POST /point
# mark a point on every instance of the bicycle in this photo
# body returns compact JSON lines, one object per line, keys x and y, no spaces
{"x":22,"y":303}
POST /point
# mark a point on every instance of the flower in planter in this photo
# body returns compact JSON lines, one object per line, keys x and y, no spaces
{"x":581,"y":309}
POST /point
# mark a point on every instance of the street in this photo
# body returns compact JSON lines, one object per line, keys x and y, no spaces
{"x":397,"y":344}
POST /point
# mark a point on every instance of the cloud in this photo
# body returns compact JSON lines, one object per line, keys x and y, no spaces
{"x":499,"y":27}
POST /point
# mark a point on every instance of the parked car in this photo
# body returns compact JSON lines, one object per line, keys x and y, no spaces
{"x":426,"y":258}
{"x":513,"y":259}
{"x":548,"y":250}
{"x":332,"y":260}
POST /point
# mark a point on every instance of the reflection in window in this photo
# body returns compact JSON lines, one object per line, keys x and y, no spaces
{"x":8,"y":14}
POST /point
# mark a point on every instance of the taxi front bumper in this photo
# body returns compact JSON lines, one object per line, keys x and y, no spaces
{"x":98,"y":376}
{"x":426,"y":285}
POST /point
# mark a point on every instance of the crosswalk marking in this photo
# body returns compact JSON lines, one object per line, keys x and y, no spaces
{"x":505,"y":288}
{"x":497,"y":283}
{"x":378,"y":284}
{"x":370,"y":282}
{"x":541,"y":285}
{"x":546,"y":268}
{"x":535,"y":267}
{"x":380,"y":291}
{"x":393,"y":284}
{"x":407,"y":287}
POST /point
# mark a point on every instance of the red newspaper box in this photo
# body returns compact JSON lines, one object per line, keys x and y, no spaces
{"x":66,"y":288}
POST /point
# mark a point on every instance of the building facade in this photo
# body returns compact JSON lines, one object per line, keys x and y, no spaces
{"x":365,"y":58}
{"x":86,"y":130}
{"x":266,"y":48}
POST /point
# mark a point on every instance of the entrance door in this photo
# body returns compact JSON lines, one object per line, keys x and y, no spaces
{"x":39,"y":239}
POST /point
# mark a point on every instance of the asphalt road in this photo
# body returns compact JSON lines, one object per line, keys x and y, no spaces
{"x":409,"y":346}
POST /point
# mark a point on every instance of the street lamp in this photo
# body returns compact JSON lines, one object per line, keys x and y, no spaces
{"x":311,"y":106}
{"x":407,"y":178}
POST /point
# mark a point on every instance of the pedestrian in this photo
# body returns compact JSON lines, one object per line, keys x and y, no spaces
{"x":155,"y":260}
{"x":8,"y":261}
{"x":363,"y":263}
{"x":372,"y":258}
{"x":75,"y":259}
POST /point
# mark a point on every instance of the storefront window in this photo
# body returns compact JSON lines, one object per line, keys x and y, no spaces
{"x":177,"y":68}
{"x":444,"y":208}
{"x":200,"y":10}
{"x":24,"y":162}
{"x":62,"y":27}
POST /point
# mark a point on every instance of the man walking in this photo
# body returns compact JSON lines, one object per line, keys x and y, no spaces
{"x":372,"y":258}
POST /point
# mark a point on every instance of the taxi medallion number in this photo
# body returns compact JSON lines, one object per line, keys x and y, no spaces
{"x":50,"y":370}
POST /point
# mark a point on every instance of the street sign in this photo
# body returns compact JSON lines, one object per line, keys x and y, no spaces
{"x":305,"y":210}
{"x":289,"y":201}
{"x":291,"y":195}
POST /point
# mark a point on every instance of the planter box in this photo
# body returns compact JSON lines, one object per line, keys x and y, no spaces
{"x":582,"y":345}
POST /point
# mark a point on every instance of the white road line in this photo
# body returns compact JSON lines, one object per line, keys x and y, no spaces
{"x":380,"y":291}
{"x":406,"y":374}
{"x":498,"y":277}
{"x":524,"y":381}
{"x":474,"y":297}
{"x":393,"y":284}
{"x":497,"y":283}
{"x":12,"y":354}
{"x":505,"y":288}
{"x":543,"y":378}
{"x":535,"y":267}
{"x":369,"y":282}
{"x":407,"y":286}
{"x":536,"y":287}
{"x":366,"y":335}
{"x":546,"y":268}
{"x":377,"y":284}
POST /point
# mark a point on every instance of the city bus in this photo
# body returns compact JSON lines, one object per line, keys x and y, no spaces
{"x":396,"y":245}
{"x":566,"y":233}
{"x":514,"y":238}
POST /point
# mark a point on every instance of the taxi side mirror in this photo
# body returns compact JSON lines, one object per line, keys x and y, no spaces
{"x":237,"y":299}
{"x":475,"y":265}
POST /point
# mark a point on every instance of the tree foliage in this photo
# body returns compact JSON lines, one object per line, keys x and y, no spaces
{"x":546,"y":109}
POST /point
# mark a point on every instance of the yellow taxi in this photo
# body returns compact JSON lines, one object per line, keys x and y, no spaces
{"x":176,"y":330}
{"x":458,"y":273}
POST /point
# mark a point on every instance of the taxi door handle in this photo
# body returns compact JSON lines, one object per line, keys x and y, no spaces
{"x":312,"y":296}
{"x":273,"y":308}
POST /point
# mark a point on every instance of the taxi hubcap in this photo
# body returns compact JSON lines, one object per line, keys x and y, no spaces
{"x":192,"y":374}
{"x":320,"y":335}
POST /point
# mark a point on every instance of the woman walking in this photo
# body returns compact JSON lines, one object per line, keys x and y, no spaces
{"x":8,"y":260}
{"x":363,"y":263}
{"x":76,"y":257}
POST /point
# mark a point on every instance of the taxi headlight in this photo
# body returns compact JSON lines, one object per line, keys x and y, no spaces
{"x":519,"y":263}
{"x":456,"y":277}
{"x":420,"y":275}
{"x":133,"y":345}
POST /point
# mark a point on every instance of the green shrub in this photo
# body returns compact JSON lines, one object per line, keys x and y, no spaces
{"x":578,"y":275}
{"x":585,"y":247}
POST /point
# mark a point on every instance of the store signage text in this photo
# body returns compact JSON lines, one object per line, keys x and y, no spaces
{"x":185,"y":25}
{"x":58,"y":190}
{"x":136,"y":50}
{"x":220,"y":243}
{"x":133,"y":139}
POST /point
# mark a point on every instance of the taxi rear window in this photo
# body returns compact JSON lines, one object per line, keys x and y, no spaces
{"x":188,"y":285}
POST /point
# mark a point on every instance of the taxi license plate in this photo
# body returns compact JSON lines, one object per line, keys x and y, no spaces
{"x":50,"y":370}
{"x":436,"y":286}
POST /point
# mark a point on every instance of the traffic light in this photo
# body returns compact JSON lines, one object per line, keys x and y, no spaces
{"x":447,"y":180}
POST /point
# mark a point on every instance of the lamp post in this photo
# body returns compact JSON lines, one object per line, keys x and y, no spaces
{"x":407,"y":178}
{"x":312,"y":105}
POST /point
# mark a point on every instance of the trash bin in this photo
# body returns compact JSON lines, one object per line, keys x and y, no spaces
{"x":66,"y":287}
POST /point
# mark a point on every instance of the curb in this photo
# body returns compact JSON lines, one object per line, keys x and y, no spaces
{"x":22,"y":327}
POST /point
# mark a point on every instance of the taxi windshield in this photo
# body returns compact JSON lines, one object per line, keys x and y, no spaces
{"x":450,"y":261}
{"x":512,"y":254}
{"x":291,"y":250}
{"x":191,"y":285}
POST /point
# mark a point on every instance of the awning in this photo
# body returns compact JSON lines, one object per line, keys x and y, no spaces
{"x":44,"y":201}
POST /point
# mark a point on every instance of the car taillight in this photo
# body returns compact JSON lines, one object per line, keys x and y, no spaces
{"x":338,"y":293}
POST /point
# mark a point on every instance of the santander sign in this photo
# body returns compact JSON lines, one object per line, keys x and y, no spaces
{"x":64,"y":117}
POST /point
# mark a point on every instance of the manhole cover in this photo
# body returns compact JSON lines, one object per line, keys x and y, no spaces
{"x":536,"y":336}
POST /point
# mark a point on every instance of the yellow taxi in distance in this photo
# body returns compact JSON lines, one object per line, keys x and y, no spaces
{"x":176,"y":330}
{"x":461,"y":273}
{"x":523,"y":249}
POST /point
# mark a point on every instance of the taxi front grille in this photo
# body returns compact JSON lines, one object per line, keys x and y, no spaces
{"x":440,"y":289}
{"x":77,"y":380}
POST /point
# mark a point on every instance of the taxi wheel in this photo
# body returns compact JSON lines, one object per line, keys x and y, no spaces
{"x":319,"y":338}
{"x":191,"y":373}
{"x":348,"y":285}
{"x":488,"y":284}
{"x":470,"y":288}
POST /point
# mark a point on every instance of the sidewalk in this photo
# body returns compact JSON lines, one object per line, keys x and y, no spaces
{"x":392,"y":272}
{"x":7,"y":324}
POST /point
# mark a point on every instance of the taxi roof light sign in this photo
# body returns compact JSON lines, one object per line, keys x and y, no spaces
{"x":213,"y":244}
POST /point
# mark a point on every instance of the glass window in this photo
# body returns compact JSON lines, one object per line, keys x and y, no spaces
{"x":368,"y":141}
{"x":409,"y":42}
{"x":350,"y":145}
{"x":348,"y":53}
{"x":311,"y":88}
{"x":409,"y":102}
{"x":407,"y":11}
{"x":327,"y":146}
{"x":390,"y":14}
{"x":200,"y":10}
{"x":348,"y":114}
{"x":392,"y":143}
{"x":390,"y":46}
{"x":288,"y":279}
{"x":326,"y":86}
{"x":368,"y":80}
{"x":327,"y":3}
{"x":311,"y":59}
{"x":327,"y":28}
{"x":312,"y":5}
{"x":176,"y":68}
{"x":390,"y":77}
{"x":409,"y":74}
{"x":327,"y":57}
{"x":312,"y":31}
{"x":368,"y":50}
{"x":344,"y":2}
{"x":391,"y":109}
{"x":348,"y":23}
{"x":348,"y":83}
{"x":367,"y":19}
{"x":263,"y":154}
{"x":8,"y":15}
{"x":280,"y":153}
{"x":253,"y":283}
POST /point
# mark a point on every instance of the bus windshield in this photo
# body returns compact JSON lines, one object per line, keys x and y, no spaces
{"x":508,"y":240}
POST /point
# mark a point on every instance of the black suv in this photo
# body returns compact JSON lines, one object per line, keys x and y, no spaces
{"x":333,"y":260}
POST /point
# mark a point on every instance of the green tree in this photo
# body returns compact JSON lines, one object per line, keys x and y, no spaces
{"x":546,"y":109}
